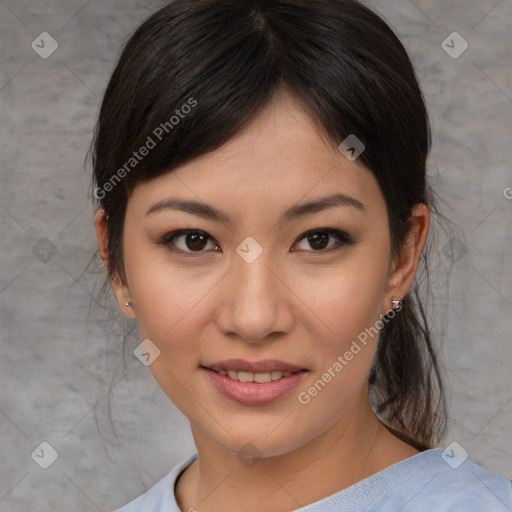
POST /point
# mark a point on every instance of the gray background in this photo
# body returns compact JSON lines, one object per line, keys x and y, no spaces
{"x":61,"y":342}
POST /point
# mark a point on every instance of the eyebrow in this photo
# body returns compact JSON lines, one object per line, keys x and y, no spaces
{"x":209,"y":212}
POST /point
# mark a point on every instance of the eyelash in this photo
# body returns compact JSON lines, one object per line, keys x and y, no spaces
{"x":343,"y":238}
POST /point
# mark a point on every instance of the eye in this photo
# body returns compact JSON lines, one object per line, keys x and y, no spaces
{"x":191,"y":241}
{"x":188,"y":241}
{"x":318,"y":239}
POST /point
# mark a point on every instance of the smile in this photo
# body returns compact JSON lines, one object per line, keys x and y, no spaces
{"x":254,"y":377}
{"x":265,"y":384}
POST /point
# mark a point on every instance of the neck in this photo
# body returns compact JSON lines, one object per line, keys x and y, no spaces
{"x":345,"y":454}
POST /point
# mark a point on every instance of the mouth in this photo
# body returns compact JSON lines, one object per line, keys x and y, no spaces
{"x":254,"y":383}
{"x":260,"y":372}
{"x":258,"y":377}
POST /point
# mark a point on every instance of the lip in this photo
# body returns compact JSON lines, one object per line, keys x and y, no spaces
{"x":253,"y":393}
{"x":266,"y":365}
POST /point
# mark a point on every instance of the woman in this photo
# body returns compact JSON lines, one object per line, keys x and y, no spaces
{"x":260,"y":171}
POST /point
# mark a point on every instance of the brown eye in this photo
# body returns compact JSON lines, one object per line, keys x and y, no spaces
{"x":195,"y":241}
{"x":318,"y":240}
{"x":187,"y":241}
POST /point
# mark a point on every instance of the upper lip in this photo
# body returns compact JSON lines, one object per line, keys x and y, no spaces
{"x":264,"y":366}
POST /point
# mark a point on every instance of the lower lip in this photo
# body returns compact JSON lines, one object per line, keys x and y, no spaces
{"x":253,"y":393}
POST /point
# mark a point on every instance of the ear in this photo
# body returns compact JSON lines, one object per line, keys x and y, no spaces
{"x":404,"y":264}
{"x":120,"y":289}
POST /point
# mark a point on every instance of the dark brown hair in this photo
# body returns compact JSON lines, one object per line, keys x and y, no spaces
{"x":194,"y":73}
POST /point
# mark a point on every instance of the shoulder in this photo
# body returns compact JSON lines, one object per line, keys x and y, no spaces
{"x":160,"y":498}
{"x":442,"y":480}
{"x":433,"y":480}
{"x":467,"y":486}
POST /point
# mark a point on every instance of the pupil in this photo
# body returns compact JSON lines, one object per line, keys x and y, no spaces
{"x":194,"y":241}
{"x":318,"y":240}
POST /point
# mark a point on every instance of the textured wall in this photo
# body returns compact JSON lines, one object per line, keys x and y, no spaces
{"x":61,"y":343}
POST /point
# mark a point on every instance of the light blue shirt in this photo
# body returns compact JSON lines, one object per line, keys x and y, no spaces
{"x":430,"y":481}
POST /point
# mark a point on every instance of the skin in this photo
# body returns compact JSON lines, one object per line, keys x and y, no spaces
{"x":304,"y":306}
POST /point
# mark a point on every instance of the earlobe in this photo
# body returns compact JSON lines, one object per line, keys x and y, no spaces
{"x":405,"y":263}
{"x":121,"y":291}
{"x":128,"y":309}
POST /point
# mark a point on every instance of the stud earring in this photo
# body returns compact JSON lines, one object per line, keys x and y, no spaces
{"x":128,"y":304}
{"x":397,"y":304}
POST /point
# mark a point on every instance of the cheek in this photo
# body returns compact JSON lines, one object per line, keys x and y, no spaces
{"x":346,"y":339}
{"x":344,"y":305}
{"x":166,"y":294}
{"x":342,"y":301}
{"x":170,"y":306}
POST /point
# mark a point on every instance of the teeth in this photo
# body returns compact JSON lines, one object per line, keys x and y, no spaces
{"x":263,"y":377}
{"x":246,"y":376}
{"x":255,"y":377}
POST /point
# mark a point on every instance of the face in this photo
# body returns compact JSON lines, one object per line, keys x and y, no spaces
{"x":263,"y":278}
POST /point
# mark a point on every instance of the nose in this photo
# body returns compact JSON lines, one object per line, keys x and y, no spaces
{"x":254,"y":304}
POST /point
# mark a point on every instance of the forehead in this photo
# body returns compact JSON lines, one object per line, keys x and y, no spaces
{"x":280,"y":138}
{"x":278,"y":157}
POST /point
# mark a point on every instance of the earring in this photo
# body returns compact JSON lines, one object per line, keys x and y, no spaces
{"x":397,"y":304}
{"x":128,"y":304}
